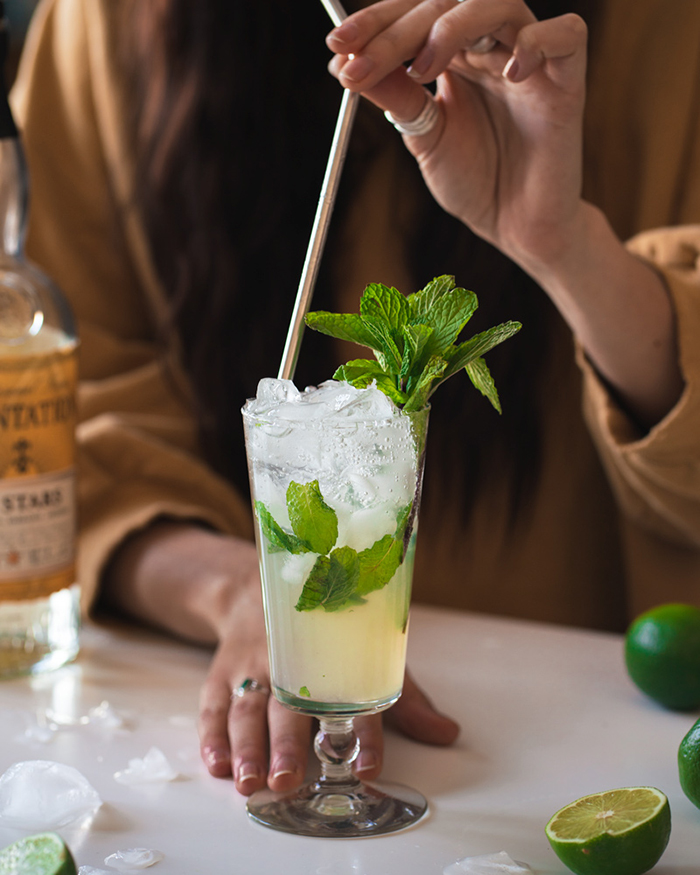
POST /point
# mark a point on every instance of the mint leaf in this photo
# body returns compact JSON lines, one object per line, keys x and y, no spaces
{"x":315,"y":585}
{"x":391,"y":355}
{"x":359,"y":372}
{"x":480,"y":344}
{"x":421,"y":303}
{"x":277,"y":538}
{"x":424,"y":387}
{"x":344,"y":326}
{"x":415,"y":341}
{"x":449,"y":316}
{"x":331,"y":582}
{"x":378,"y":564}
{"x":481,"y":377}
{"x":304,"y":691}
{"x":313,"y":521}
{"x":387,"y":305}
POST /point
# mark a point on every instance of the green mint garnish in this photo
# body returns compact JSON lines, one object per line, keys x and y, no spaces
{"x":313,"y":521}
{"x":415,"y":341}
{"x":341,"y":577}
{"x":332,"y":581}
{"x":304,"y":691}
{"x":378,"y":564}
{"x":277,"y":538}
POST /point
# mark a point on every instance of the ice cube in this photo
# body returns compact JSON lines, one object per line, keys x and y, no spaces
{"x":152,"y":768}
{"x":488,"y":864}
{"x":270,"y":394}
{"x":133,"y":858}
{"x":104,"y":715}
{"x":91,"y":870}
{"x":43,"y":795}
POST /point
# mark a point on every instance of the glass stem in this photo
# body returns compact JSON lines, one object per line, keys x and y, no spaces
{"x":337,"y":747}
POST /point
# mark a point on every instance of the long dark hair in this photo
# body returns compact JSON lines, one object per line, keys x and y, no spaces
{"x":232,"y":114}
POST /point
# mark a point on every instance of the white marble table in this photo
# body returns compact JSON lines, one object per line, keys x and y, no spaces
{"x":548,"y":715}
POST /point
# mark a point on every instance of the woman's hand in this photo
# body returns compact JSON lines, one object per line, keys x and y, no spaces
{"x":505,"y":156}
{"x":205,"y":587}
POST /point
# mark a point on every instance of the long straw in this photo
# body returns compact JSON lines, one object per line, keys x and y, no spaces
{"x":319,"y":231}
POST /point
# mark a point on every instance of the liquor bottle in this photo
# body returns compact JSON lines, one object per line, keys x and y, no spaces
{"x":39,"y":597}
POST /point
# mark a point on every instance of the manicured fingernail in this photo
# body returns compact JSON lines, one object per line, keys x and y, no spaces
{"x":365,"y":761}
{"x":358,"y":68}
{"x":214,"y":757}
{"x":283,"y":766}
{"x":421,"y":63}
{"x":511,"y":69}
{"x":248,"y":772}
{"x":344,"y":33}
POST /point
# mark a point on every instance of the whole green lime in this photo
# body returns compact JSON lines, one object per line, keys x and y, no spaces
{"x":662,"y":654}
{"x":618,"y":832}
{"x":689,"y":764}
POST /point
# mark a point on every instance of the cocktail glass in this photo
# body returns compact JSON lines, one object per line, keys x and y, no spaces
{"x":336,"y":491}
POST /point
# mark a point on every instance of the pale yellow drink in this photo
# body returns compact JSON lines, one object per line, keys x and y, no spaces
{"x":347,"y":653}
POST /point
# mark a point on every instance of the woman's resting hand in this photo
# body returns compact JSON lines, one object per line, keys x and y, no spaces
{"x":205,"y":587}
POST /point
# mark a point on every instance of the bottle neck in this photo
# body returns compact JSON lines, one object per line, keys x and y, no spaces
{"x":14,"y":184}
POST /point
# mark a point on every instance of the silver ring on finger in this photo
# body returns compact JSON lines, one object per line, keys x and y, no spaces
{"x":423,"y":123}
{"x":249,"y":685}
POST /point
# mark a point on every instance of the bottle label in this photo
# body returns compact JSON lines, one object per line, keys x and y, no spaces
{"x":37,"y":475}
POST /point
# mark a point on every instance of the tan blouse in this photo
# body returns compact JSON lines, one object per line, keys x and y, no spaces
{"x":614,"y":526}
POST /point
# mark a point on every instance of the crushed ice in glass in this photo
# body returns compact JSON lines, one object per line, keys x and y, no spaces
{"x":332,"y":398}
{"x":133,"y":858}
{"x":488,"y":864}
{"x":91,"y":870}
{"x":43,"y":795}
{"x":152,"y":768}
{"x":371,"y":454}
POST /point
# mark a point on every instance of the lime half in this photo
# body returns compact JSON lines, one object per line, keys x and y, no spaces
{"x":43,"y":854}
{"x":619,"y":832}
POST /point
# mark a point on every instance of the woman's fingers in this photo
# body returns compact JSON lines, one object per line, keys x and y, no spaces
{"x":369,"y":761}
{"x":214,"y":745}
{"x":428,"y":34}
{"x":416,"y":716}
{"x":558,"y":43}
{"x":289,"y":747}
{"x":248,"y":733}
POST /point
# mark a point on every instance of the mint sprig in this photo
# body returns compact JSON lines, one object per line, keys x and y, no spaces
{"x":341,"y":577}
{"x":415,"y":341}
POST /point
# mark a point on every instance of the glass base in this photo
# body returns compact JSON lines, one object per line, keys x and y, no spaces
{"x":354,"y":810}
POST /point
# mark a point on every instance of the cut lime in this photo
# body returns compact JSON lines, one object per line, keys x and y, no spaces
{"x":42,"y":854}
{"x":619,"y":832}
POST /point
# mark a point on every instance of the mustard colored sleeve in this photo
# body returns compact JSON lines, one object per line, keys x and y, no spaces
{"x":137,"y":445}
{"x":656,"y":477}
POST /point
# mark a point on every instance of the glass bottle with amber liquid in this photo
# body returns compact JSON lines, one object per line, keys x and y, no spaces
{"x":39,"y":598}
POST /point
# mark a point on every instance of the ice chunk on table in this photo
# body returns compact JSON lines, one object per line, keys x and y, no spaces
{"x":488,"y":864}
{"x":133,"y":858}
{"x":152,"y":768}
{"x":43,"y":795}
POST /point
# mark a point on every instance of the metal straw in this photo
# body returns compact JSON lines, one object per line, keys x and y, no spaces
{"x":329,"y":189}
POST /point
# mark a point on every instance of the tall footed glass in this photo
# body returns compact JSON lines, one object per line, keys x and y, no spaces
{"x":336,"y":479}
